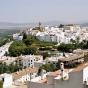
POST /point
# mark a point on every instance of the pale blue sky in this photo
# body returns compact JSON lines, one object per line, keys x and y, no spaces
{"x":43,"y":10}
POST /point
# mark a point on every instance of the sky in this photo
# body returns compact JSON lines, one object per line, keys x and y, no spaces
{"x":21,"y":11}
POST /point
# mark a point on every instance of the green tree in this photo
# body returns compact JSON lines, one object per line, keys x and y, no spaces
{"x":84,"y":44}
{"x":49,"y":67}
{"x":17,"y":48}
{"x":45,"y":54}
{"x":11,"y":67}
{"x":4,"y":68}
{"x":1,"y":68}
{"x":28,"y":42}
{"x":24,"y":36}
{"x":67,"y":47}
{"x":1,"y":84}
{"x":30,"y":50}
{"x":72,"y":41}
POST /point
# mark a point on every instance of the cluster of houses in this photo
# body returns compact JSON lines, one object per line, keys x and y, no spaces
{"x":17,"y":36}
{"x":29,"y":71}
{"x":64,"y":34}
{"x":60,"y":35}
{"x":62,"y":78}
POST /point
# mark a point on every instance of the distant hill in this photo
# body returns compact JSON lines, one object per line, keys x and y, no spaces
{"x":7,"y":25}
{"x":84,"y":24}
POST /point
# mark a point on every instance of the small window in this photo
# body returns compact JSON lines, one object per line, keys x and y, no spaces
{"x":3,"y":79}
{"x":53,"y":63}
{"x":28,"y":60}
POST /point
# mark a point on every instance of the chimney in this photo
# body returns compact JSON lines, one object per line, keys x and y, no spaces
{"x":62,"y":69}
{"x":64,"y":75}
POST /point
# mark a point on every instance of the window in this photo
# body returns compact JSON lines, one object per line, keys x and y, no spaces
{"x":53,"y":62}
{"x":28,"y":60}
{"x":3,"y":79}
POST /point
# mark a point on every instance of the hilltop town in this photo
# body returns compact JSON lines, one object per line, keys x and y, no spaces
{"x":46,"y":57}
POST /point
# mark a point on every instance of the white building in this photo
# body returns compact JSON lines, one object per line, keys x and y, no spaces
{"x":7,"y":80}
{"x":17,"y":36}
{"x":63,"y":35}
{"x":31,"y":60}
